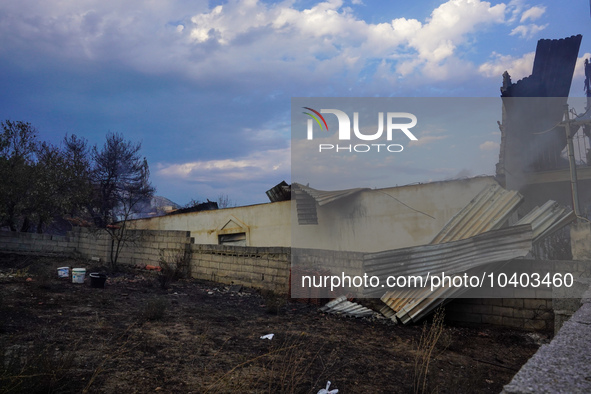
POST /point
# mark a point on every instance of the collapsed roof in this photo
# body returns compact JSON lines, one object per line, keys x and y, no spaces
{"x":473,"y":238}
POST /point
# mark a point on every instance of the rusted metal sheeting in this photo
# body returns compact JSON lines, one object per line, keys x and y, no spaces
{"x":412,"y":305}
{"x":451,"y":257}
{"x":487,"y":211}
{"x":548,"y":218}
{"x":398,"y":298}
{"x":324,"y":197}
{"x":341,"y":306}
{"x":419,"y":307}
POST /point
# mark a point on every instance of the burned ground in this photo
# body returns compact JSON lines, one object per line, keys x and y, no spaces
{"x":197,"y":336}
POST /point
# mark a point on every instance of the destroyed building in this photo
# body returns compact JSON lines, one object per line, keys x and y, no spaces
{"x":456,"y":225}
{"x":533,"y":157}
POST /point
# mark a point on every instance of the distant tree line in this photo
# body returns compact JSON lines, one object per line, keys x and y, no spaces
{"x":98,"y":186}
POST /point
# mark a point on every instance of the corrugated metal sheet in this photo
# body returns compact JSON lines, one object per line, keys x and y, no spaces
{"x":411,"y":305}
{"x":421,"y":306}
{"x":341,"y":306}
{"x":548,"y":218}
{"x":451,"y":257}
{"x":279,"y":192}
{"x":487,"y":211}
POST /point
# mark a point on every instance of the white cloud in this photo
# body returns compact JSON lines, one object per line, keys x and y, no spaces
{"x":489,"y":146}
{"x":247,"y":43}
{"x":533,"y":13}
{"x":528,"y":31}
{"x":450,"y":23}
{"x":427,"y":140}
{"x":514,"y":9}
{"x":406,"y":28}
{"x":580,"y":66}
{"x":252,"y":50}
{"x":517,"y":68}
{"x":253,"y":166}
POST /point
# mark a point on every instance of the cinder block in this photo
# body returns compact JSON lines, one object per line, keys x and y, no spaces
{"x":482,"y":309}
{"x":464,"y":317}
{"x":502,"y":311}
{"x":547,"y":314}
{"x":523,"y":313}
{"x":474,"y":301}
{"x":228,"y":267}
{"x":537,"y":324}
{"x":513,"y":322}
{"x":456,"y":306}
{"x":513,"y":302}
{"x":492,"y":319}
{"x":493,"y":301}
{"x":258,"y":269}
{"x":271,"y":271}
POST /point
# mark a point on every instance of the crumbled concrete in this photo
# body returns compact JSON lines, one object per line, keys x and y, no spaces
{"x":564,"y":365}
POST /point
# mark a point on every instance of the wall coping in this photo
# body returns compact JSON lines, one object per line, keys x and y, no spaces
{"x":563,"y":365}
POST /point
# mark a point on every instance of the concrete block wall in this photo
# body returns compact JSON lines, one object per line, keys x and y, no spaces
{"x":142,"y":247}
{"x":349,"y":263}
{"x":270,"y":268}
{"x":518,"y":308}
{"x":580,"y":240}
{"x":260,"y":267}
{"x":317,"y":264}
{"x":526,"y":313}
{"x":35,"y":243}
{"x":90,"y":244}
{"x":148,"y":247}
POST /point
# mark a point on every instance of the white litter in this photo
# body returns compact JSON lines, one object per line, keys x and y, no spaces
{"x":268,"y":336}
{"x":327,"y":391}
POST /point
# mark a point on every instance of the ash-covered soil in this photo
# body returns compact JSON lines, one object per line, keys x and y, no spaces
{"x":200,"y":337}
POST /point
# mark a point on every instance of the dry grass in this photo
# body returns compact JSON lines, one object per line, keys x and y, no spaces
{"x":424,"y":353}
{"x":154,"y":309}
{"x":34,"y":369}
{"x":291,"y":365}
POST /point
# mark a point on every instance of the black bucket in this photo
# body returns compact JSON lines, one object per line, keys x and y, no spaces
{"x":97,"y":280}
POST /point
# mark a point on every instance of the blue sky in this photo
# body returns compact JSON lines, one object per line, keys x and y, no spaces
{"x":207,"y":86}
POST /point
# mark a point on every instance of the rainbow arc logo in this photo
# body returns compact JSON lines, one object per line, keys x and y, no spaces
{"x":316,"y":118}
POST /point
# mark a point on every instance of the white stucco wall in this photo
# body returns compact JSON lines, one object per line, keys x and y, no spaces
{"x":385,"y":219}
{"x":369,"y":221}
{"x":264,"y":224}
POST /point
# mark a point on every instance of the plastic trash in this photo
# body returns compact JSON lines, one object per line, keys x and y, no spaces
{"x":327,"y":389}
{"x":268,"y":336}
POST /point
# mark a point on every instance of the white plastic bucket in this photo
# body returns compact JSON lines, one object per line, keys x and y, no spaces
{"x":78,"y":275}
{"x":63,"y":272}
